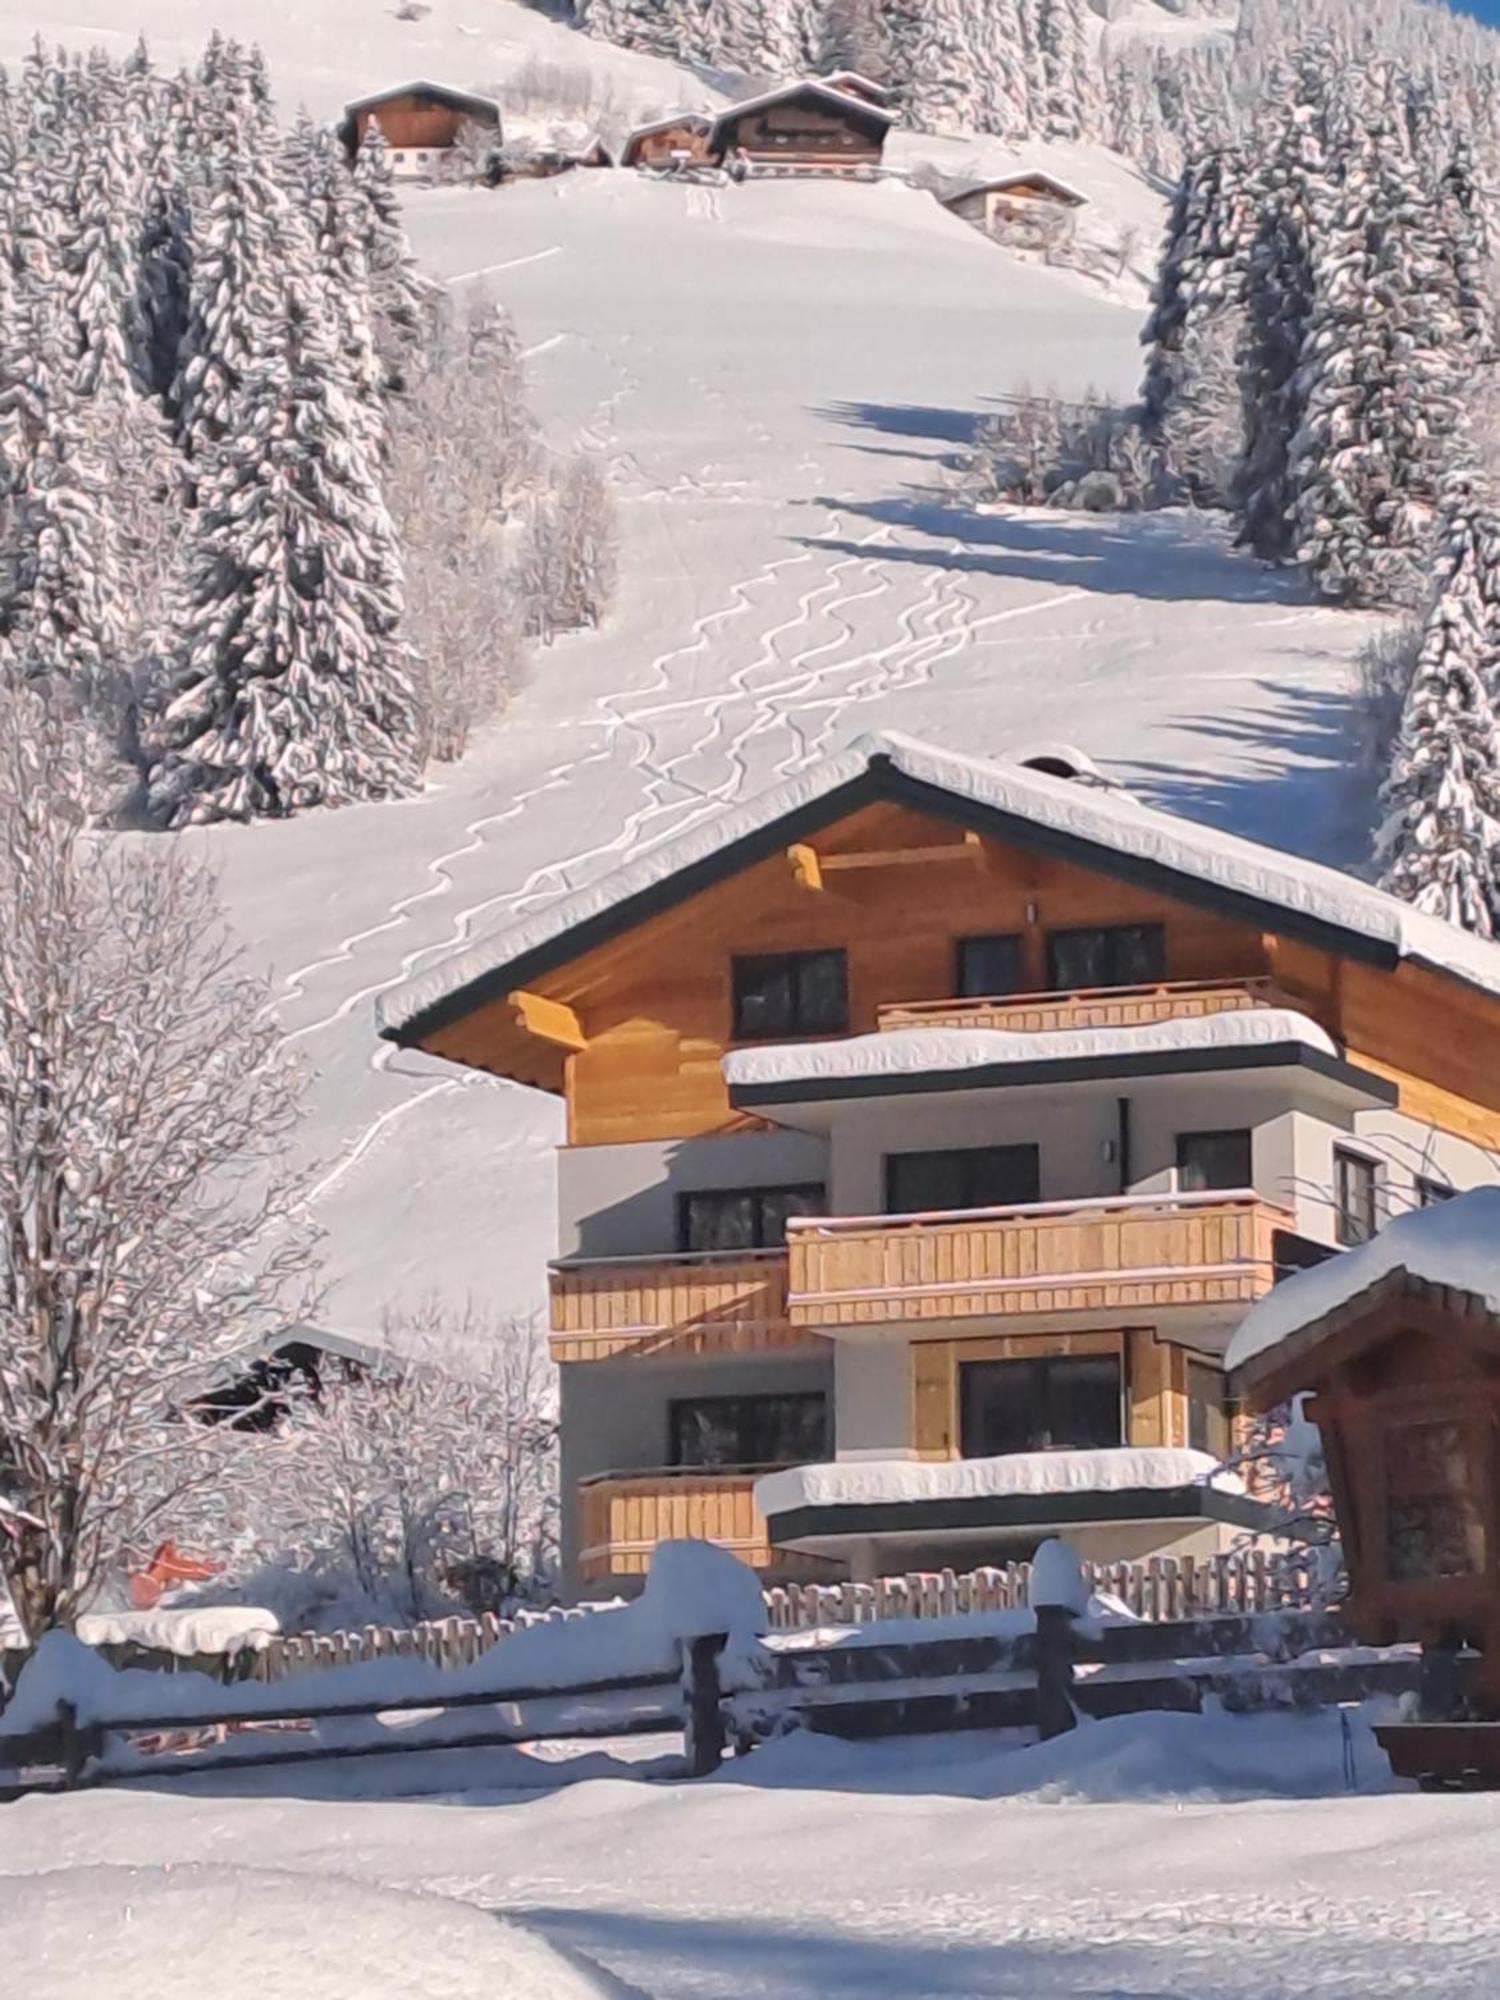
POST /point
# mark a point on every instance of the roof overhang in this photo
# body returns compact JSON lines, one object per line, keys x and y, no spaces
{"x":842,"y":100}
{"x":1001,"y":183}
{"x":818,"y":1529}
{"x":1021,"y":807}
{"x":459,"y":100}
{"x":1350,"y":1086}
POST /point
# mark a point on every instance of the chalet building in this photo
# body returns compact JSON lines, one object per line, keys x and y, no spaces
{"x":932,"y":1124}
{"x":678,"y":141}
{"x":1031,"y":209}
{"x":420,"y":121}
{"x":803,"y":127}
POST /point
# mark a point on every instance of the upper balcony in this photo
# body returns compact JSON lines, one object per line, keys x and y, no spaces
{"x":686,"y":1302}
{"x":1098,"y":1007}
{"x":1128,"y":1252}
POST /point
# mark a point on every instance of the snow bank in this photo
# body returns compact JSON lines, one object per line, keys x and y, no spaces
{"x":1111,"y":821}
{"x":872,"y":1482}
{"x":1057,"y":1579}
{"x":1455,"y":1243}
{"x":185,"y":1631}
{"x":933,"y":1051}
{"x":692,"y":1588}
{"x":177,"y":1933}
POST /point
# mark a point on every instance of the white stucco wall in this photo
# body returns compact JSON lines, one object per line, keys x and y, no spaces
{"x":872,"y":1397}
{"x":621,"y":1201}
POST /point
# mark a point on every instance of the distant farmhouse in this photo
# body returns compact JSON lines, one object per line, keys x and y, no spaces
{"x":1030,"y":209}
{"x":678,"y":140}
{"x":421,"y":123}
{"x":804,"y":126}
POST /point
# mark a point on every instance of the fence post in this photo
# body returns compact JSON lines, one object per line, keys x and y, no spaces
{"x":702,"y":1713}
{"x":1059,"y":1594}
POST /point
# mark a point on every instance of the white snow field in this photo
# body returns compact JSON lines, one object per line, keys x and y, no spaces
{"x":776,"y":377}
{"x":1156,"y":1858}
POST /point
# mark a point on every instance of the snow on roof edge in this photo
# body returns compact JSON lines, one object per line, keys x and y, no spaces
{"x":804,"y":83}
{"x":1114,"y":821}
{"x":996,"y":182}
{"x":423,"y":83}
{"x":1454,"y":1243}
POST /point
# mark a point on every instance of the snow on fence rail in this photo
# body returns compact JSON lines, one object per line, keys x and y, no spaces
{"x":1162,"y":1587}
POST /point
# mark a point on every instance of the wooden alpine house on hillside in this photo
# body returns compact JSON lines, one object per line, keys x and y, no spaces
{"x":1030,"y":208}
{"x":932,"y":1125}
{"x":420,"y":122}
{"x":802,"y":127}
{"x":680,"y":140}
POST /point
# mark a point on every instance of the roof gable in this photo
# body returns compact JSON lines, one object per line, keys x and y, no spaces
{"x":457,"y":100}
{"x":1106,"y":831}
{"x":840,"y":100}
{"x":1026,"y":176}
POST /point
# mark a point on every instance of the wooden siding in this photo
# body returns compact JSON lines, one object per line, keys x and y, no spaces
{"x":654,"y":1004}
{"x":411,"y":122}
{"x":807,"y":130}
{"x":659,"y":1306}
{"x":1097,"y":1257}
{"x":1108,"y":1007}
{"x":625,"y":1515}
{"x":652,"y":149}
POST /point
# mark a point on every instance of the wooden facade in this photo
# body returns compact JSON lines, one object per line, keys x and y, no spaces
{"x":720,"y":1303}
{"x":417,"y":117}
{"x":625,"y":1515}
{"x":668,"y":141}
{"x":1135,"y":1254}
{"x":806,"y":126}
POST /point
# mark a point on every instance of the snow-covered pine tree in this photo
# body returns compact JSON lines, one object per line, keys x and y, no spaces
{"x":320,"y":183}
{"x":1201,"y":274}
{"x":402,"y":301}
{"x":1383,"y":366}
{"x":1439,"y":843}
{"x":1468,"y":239}
{"x":291,"y":687}
{"x":1071,"y":97}
{"x":1289,"y":188}
{"x":853,"y":36}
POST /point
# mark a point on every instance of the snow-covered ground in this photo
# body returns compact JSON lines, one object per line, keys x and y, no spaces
{"x":1154,"y":1858}
{"x":777,"y":378}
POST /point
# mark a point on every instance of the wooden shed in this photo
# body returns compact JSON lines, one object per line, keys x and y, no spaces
{"x":802,"y":127}
{"x":1030,"y":208}
{"x":1398,"y":1342}
{"x":679,"y":140}
{"x":420,"y":121}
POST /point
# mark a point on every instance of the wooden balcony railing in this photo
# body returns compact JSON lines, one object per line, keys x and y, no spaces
{"x":685,"y":1303}
{"x":1098,"y":1007}
{"x":623,"y":1515}
{"x":1130,"y":1251}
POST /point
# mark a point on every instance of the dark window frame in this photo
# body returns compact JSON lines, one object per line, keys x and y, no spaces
{"x":965,"y":1153}
{"x":1352,"y":1230}
{"x":759,"y":1194}
{"x":746,"y":1406}
{"x":966,"y":989}
{"x":1219,"y":1408}
{"x":742,"y":966}
{"x":1217,"y":1134}
{"x":1049,"y":1371}
{"x":1111,"y":934}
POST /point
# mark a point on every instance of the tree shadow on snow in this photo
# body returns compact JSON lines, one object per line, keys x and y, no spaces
{"x":924,"y":422}
{"x":1168,"y":557}
{"x":736,"y":1954}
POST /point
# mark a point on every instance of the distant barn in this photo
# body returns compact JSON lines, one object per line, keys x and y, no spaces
{"x":1029,"y":208}
{"x":804,"y":127}
{"x":420,"y":122}
{"x":678,"y":140}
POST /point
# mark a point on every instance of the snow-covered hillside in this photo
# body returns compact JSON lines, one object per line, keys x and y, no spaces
{"x":776,"y":377}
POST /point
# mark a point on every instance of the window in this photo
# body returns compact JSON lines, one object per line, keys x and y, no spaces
{"x":980,"y":1177}
{"x":1430,"y":1193}
{"x":988,"y":967}
{"x":792,"y":993}
{"x":1208,"y":1410}
{"x":1119,"y":955}
{"x":1354,"y":1197}
{"x":742,"y":1218}
{"x":1213,"y":1160}
{"x":1057,"y":1403}
{"x":749,"y":1430}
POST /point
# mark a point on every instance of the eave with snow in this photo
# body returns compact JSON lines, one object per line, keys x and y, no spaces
{"x":1027,"y":183}
{"x":858,"y":1128}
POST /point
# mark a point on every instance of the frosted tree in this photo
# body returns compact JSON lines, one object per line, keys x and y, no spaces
{"x":143,"y":1119}
{"x":1468,"y":240}
{"x":1201,"y":276}
{"x":854,"y":36}
{"x":1381,"y":373}
{"x":1439,"y":844}
{"x":402,"y":300}
{"x":291,"y":687}
{"x":335,"y":212}
{"x":1071,"y":93}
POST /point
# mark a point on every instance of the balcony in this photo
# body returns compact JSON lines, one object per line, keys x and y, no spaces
{"x":623,"y":1515}
{"x":1099,"y":1007}
{"x":711,"y":1302}
{"x":1128,"y":1252}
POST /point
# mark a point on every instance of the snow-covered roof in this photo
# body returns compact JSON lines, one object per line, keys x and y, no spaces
{"x":699,"y":118}
{"x":836,"y":78}
{"x":423,"y":86}
{"x":1454,"y":1243}
{"x":1000,"y":182}
{"x":942,"y":1052}
{"x":1110,"y":830}
{"x":887,"y":1481}
{"x":843,"y":99}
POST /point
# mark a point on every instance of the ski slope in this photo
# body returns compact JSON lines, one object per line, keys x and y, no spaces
{"x":777,"y":378}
